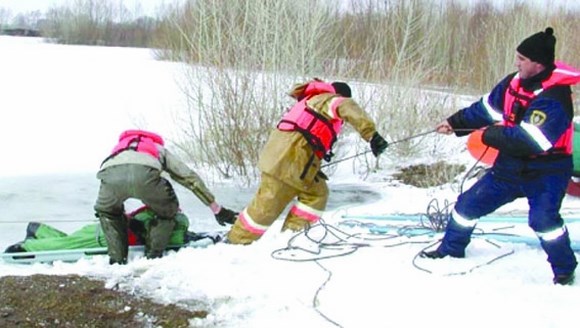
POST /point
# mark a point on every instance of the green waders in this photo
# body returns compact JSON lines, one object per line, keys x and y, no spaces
{"x":116,"y":234}
{"x":159,"y":232}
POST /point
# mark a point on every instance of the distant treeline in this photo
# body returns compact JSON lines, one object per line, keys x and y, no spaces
{"x":20,"y":32}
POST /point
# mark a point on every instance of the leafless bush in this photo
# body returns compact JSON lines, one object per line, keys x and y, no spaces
{"x":98,"y":22}
{"x":255,"y":35}
{"x":389,"y":49}
{"x":5,"y":16}
{"x":249,"y":53}
{"x":226,"y":127}
{"x":406,"y":115}
{"x":424,"y":176}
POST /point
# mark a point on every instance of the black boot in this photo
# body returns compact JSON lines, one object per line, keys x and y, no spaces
{"x":31,"y":230}
{"x":564,"y":279}
{"x":115,"y":229}
{"x":16,"y":248}
{"x":436,"y":254}
{"x":158,"y":236}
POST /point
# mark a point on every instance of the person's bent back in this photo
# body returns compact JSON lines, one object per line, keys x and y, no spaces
{"x":133,"y":170}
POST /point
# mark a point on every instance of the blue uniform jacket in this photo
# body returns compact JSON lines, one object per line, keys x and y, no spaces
{"x":520,"y":153}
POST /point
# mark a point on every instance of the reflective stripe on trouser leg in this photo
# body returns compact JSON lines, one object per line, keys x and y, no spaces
{"x":301,"y":216}
{"x":270,"y":200}
{"x":245,"y":230}
{"x":545,"y":195}
{"x":457,"y":235}
{"x":556,"y":243}
{"x":485,"y":196}
{"x":309,"y":207}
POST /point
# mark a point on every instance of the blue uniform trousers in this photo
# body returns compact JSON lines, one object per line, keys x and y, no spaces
{"x":544,"y":193}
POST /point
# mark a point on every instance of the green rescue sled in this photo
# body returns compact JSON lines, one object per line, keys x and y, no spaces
{"x":44,"y":243}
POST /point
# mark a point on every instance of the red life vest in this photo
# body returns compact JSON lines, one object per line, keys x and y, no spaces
{"x":132,"y":238}
{"x":517,"y":100}
{"x":140,"y":141}
{"x":320,"y":132}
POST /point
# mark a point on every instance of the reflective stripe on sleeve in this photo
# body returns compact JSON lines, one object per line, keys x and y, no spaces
{"x":495,"y":115}
{"x":537,"y":135}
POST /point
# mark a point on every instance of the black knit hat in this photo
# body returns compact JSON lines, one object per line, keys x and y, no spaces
{"x":342,"y":89}
{"x":539,"y":47}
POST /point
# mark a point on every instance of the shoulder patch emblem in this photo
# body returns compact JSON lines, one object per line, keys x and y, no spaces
{"x":537,"y":118}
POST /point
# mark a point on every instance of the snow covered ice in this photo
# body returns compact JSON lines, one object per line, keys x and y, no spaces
{"x":63,"y":106}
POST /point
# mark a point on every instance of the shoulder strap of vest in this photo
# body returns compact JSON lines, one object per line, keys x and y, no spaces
{"x":312,"y":140}
{"x":513,"y":92}
{"x":132,"y":144}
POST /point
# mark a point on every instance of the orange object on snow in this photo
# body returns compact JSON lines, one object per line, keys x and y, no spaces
{"x":479,"y":150}
{"x":487,"y":155}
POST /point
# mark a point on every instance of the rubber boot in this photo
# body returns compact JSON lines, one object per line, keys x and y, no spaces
{"x":16,"y":248}
{"x":238,"y":235}
{"x":158,"y":236}
{"x":31,"y":230}
{"x":295,"y":223}
{"x":115,"y":230}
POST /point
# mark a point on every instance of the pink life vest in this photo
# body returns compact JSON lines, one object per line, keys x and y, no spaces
{"x":518,"y":98}
{"x":140,"y":141}
{"x":320,"y":132}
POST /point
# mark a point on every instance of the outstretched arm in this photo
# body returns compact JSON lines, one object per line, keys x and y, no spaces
{"x":186,"y":177}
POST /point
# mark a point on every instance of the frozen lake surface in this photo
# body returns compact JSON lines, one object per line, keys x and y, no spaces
{"x":66,"y":202}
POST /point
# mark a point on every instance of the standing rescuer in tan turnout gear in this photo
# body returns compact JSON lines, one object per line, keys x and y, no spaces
{"x":133,"y":170}
{"x":290,"y":160}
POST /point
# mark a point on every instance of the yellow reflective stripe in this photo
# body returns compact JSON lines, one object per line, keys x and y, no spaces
{"x":552,"y":234}
{"x":463,"y":221}
{"x":495,"y":115}
{"x":537,"y":135}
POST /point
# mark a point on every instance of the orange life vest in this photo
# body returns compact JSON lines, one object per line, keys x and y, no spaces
{"x":320,"y":132}
{"x":517,"y":100}
{"x":140,"y":141}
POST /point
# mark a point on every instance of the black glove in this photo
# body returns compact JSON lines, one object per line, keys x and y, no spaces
{"x":378,"y":144}
{"x":226,"y":216}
